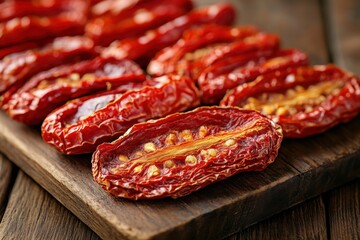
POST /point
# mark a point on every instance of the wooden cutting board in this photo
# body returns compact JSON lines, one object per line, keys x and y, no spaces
{"x":303,"y":169}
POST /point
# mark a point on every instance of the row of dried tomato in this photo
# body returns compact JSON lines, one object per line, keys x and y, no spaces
{"x":84,"y":93}
{"x":38,"y":81}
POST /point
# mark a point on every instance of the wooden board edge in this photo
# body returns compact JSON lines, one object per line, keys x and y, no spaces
{"x":334,"y":174}
{"x":76,"y":206}
{"x":328,"y":176}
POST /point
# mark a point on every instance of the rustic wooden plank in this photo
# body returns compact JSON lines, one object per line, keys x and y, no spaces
{"x":70,"y":181}
{"x":344,"y":29}
{"x":304,"y":221}
{"x":344,"y":212}
{"x":6,"y":175}
{"x":32,"y":213}
{"x":297,"y":22}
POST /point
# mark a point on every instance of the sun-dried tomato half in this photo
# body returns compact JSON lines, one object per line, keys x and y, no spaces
{"x":51,"y":89}
{"x":78,"y":109}
{"x":20,"y":67}
{"x":202,"y":47}
{"x":19,"y":48}
{"x":143,"y":48}
{"x":229,"y":72}
{"x":181,"y":153}
{"x":304,"y":101}
{"x":103,"y":30}
{"x":40,"y":8}
{"x":29,"y":21}
{"x":124,"y":9}
{"x":165,"y":95}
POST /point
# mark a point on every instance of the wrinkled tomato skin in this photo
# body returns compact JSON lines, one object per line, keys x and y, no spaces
{"x":33,"y":102}
{"x":14,"y":9}
{"x":47,"y":20}
{"x":253,"y":143}
{"x":165,"y":95}
{"x":18,"y":48}
{"x":215,"y":80}
{"x":336,"y":108}
{"x":167,"y":60}
{"x":143,"y":48}
{"x":105,"y":29}
{"x":18,"y":68}
{"x":119,"y":10}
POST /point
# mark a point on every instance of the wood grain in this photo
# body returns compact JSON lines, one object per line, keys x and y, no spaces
{"x":344,"y":29}
{"x":304,"y":221}
{"x":6,"y":175}
{"x":32,"y":213}
{"x":344,"y":212}
{"x":344,"y":203}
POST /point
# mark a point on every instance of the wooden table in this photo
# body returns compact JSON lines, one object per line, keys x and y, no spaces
{"x":32,"y":213}
{"x":329,"y":31}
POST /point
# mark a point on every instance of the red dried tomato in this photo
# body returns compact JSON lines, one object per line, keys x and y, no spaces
{"x":202,"y":47}
{"x":13,"y":9}
{"x":104,"y":30}
{"x":93,"y":2}
{"x":124,"y":9}
{"x":51,"y":89}
{"x":230,"y":72}
{"x":63,"y":18}
{"x":18,"y":68}
{"x":22,"y":47}
{"x":304,"y":101}
{"x":142,"y":49}
{"x":179,"y":154}
{"x":166,"y":95}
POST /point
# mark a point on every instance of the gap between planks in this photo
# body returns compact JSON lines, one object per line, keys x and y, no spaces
{"x":33,"y":214}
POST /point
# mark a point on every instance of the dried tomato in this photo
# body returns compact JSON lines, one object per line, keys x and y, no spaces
{"x":124,"y":9}
{"x":69,"y":21}
{"x":104,"y":30}
{"x":304,"y":101}
{"x":230,"y":72}
{"x":20,"y":67}
{"x":202,"y":47}
{"x":51,"y":89}
{"x":164,"y":96}
{"x":179,"y":154}
{"x":142,"y":49}
{"x":22,"y":47}
{"x":14,"y":9}
{"x":94,"y":2}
